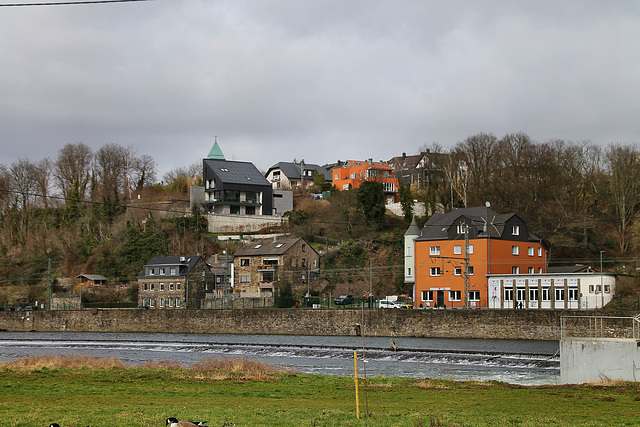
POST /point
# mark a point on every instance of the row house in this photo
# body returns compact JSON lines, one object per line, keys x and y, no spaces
{"x":175,"y":282}
{"x":260,"y":264}
{"x":352,"y":173}
{"x":291,"y":174}
{"x":450,"y":259}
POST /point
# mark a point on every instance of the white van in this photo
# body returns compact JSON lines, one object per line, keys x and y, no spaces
{"x":385,"y":303}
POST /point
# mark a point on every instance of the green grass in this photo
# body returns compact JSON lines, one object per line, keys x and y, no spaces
{"x":232,"y":395}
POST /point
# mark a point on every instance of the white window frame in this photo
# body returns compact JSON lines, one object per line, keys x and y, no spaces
{"x":245,"y":278}
{"x":455,"y":296}
{"x":532,"y":270}
{"x":457,"y":271}
{"x":559,"y":292}
{"x":470,"y":270}
{"x":177,"y":302}
{"x":434,"y":250}
{"x":533,"y":294}
{"x":435,"y":271}
{"x":515,"y":250}
{"x":573,"y":294}
{"x":531,"y":251}
{"x":515,"y":230}
{"x":508,"y":294}
{"x":546,"y":294}
{"x":515,"y":269}
{"x":457,"y":249}
{"x":427,"y":296}
{"x":539,"y":252}
{"x":474,"y":295}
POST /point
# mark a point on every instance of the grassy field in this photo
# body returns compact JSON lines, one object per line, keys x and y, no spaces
{"x":105,"y":392}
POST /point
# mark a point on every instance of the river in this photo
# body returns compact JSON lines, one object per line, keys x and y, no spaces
{"x":512,"y":361}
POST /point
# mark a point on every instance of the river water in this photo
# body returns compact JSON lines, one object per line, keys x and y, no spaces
{"x":513,"y":361}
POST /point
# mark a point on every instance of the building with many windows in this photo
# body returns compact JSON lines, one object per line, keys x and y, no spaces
{"x":259,"y":265}
{"x":449,"y":260}
{"x":352,"y":173}
{"x":234,"y":188}
{"x":175,"y":282}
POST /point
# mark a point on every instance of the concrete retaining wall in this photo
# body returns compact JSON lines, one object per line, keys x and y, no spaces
{"x":591,"y":360}
{"x":496,"y":324}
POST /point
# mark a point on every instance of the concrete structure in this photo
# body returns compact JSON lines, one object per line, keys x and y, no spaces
{"x":457,"y":251}
{"x":259,"y":265}
{"x":601,"y":348}
{"x":286,"y":175}
{"x":175,"y":283}
{"x":573,"y":291}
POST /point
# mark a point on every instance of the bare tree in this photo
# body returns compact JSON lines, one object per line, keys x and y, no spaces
{"x":40,"y":173}
{"x":72,"y":170}
{"x":623,"y":165}
{"x":143,"y":172}
{"x":23,"y":183}
{"x":111,"y":172}
{"x":181,"y":178}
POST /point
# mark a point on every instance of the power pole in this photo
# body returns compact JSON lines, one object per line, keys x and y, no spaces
{"x":466,"y":265}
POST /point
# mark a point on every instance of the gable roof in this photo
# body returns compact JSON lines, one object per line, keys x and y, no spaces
{"x":487,"y":223}
{"x":265,"y":247}
{"x":292,"y":170}
{"x":93,"y":277}
{"x":187,"y":262}
{"x":233,"y":172}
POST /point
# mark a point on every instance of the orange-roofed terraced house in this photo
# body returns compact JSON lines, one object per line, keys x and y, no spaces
{"x":486,"y":242}
{"x":354,"y":172}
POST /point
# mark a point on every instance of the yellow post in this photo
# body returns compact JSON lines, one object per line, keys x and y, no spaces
{"x":355,"y":361}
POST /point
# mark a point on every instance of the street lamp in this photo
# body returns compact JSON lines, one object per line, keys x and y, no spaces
{"x":601,"y":286}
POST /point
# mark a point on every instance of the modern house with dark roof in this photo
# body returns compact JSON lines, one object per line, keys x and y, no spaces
{"x":451,"y":257}
{"x":234,"y":188}
{"x":175,"y":282}
{"x":259,"y":265}
{"x":285,"y":175}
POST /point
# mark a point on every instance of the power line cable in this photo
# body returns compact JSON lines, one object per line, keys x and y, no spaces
{"x":66,"y":3}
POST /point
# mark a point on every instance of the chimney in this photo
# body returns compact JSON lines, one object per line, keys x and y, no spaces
{"x":370,"y":161}
{"x":404,"y":156}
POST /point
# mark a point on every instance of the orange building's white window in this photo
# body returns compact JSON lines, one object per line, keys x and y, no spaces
{"x":435,"y":271}
{"x":515,"y":250}
{"x":455,"y":295}
{"x":515,"y":270}
{"x":434,"y":250}
{"x":531,"y":251}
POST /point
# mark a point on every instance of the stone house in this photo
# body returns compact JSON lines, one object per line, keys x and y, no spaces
{"x":175,"y":282}
{"x":259,"y":265}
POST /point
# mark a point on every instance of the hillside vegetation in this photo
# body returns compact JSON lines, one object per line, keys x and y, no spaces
{"x":104,"y":213}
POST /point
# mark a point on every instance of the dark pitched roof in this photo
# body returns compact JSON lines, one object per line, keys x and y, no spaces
{"x":292,"y":170}
{"x":236,"y":172}
{"x":570,"y":269}
{"x":268,"y":247}
{"x":186,"y":262}
{"x":485,"y":221}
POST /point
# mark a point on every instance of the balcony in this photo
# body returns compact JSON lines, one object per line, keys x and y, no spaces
{"x":268,"y":267}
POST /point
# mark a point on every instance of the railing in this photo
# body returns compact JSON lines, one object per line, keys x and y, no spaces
{"x":600,"y":327}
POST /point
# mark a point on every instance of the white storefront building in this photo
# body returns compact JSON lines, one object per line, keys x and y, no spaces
{"x":570,"y":291}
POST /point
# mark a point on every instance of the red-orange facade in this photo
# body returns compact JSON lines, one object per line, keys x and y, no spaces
{"x":493,"y":248}
{"x":354,"y":172}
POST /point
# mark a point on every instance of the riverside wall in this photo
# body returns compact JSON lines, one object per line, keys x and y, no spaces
{"x":492,"y":324}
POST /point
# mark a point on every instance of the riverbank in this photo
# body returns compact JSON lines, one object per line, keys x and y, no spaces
{"x":106,"y":393}
{"x":483,"y":324}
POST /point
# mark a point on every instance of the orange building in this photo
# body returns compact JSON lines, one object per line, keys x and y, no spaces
{"x":353,"y":172}
{"x":479,"y":239}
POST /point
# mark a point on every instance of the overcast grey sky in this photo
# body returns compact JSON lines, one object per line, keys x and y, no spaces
{"x":319,"y":80}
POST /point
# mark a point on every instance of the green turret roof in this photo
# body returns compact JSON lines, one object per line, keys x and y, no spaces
{"x":216,"y":153}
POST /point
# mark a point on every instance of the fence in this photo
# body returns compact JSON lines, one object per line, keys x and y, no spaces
{"x":625,"y":302}
{"x":600,"y":327}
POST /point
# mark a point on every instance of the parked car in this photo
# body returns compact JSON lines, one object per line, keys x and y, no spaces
{"x":344,"y":300}
{"x":385,"y":303}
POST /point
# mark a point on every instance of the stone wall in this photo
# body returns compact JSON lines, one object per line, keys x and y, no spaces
{"x":497,"y":324}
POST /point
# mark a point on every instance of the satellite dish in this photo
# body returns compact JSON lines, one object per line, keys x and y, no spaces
{"x":487,"y":204}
